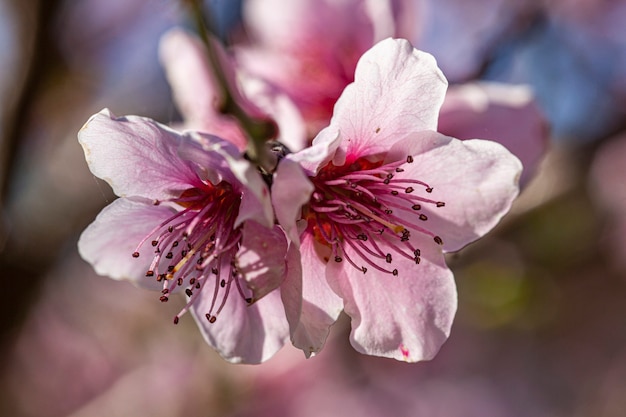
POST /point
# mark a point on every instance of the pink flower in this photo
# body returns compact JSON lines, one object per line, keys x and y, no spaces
{"x":189,"y":218}
{"x":378,"y":199}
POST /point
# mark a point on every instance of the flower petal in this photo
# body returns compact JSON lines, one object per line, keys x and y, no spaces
{"x":476,"y":179}
{"x":291,"y":288}
{"x":135,"y":155}
{"x":406,"y":317}
{"x":109,"y":242}
{"x":244,"y":333}
{"x":320,"y":305}
{"x":291,"y":190}
{"x":397,"y":90}
{"x":261,"y":258}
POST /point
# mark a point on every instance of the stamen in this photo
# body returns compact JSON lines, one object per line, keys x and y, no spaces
{"x":358,"y":206}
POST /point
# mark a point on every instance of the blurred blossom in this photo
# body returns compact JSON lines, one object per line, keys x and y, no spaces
{"x":291,"y":49}
{"x":489,"y":111}
{"x":377,"y":204}
{"x":198,"y":94}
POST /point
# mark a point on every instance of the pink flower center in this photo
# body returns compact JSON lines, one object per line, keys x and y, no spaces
{"x":363,"y":206}
{"x":197,"y":245}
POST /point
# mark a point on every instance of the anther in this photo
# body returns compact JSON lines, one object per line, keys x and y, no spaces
{"x":192,"y":281}
{"x":417,"y":252}
{"x":423,"y":217}
{"x":176,"y":319}
{"x":438,"y":240}
{"x":388,"y":258}
{"x":135,"y":254}
{"x":337,"y":258}
{"x":150,"y":273}
{"x":249,"y":300}
{"x":210,"y":318}
{"x":215,"y":271}
{"x":170,"y":229}
{"x":179,"y":281}
{"x":416,"y":207}
{"x":188,"y":292}
{"x":440,"y":204}
{"x":163,"y":299}
{"x":394,"y":192}
{"x":364,"y":269}
{"x":362,"y":237}
{"x":409,"y":159}
{"x":408,"y":190}
{"x":399,"y":169}
{"x":395,"y":272}
{"x":429,"y":190}
{"x":169,"y":255}
{"x":155,"y":242}
{"x":223,"y":283}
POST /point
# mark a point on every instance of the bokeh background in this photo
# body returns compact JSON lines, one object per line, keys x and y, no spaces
{"x":541,"y":326}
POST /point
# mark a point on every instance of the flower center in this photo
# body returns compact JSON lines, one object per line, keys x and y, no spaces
{"x":197,"y":245}
{"x":365,"y":207}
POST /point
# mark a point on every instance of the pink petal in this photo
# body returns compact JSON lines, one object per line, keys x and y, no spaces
{"x":320,"y":305}
{"x":244,"y":333}
{"x":291,"y":288}
{"x":397,"y":90}
{"x":195,"y":87}
{"x":135,"y":155}
{"x":261,"y":258}
{"x":109,"y":242}
{"x":291,"y":190}
{"x":488,"y":110}
{"x":321,"y":151}
{"x":406,"y":317}
{"x":476,"y":179}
